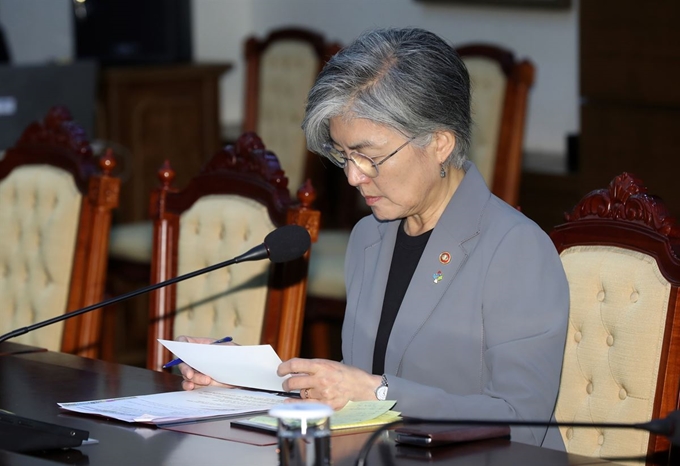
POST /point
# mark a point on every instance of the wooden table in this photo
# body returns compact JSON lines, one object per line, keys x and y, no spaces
{"x":31,"y":384}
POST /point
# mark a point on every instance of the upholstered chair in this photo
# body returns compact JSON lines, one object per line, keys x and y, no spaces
{"x":55,"y":213}
{"x":239,"y":197}
{"x":500,"y":91}
{"x":280,"y":71}
{"x":620,"y":250}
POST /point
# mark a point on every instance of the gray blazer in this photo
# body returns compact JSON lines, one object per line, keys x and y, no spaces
{"x":484,"y":341}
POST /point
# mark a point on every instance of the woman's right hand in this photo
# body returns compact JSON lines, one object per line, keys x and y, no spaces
{"x":193,"y":378}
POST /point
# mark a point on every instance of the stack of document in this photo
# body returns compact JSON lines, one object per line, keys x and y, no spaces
{"x":250,"y":367}
{"x":179,"y":406}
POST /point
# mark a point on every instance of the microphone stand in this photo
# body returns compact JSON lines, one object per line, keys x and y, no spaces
{"x":284,"y":244}
{"x":257,"y":253}
{"x":668,"y":427}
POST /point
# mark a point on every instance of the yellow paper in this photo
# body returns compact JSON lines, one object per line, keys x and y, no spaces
{"x":354,"y":414}
{"x":384,"y":418}
{"x":363,"y":413}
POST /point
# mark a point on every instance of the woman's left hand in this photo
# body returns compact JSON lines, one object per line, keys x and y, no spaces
{"x":329,"y":382}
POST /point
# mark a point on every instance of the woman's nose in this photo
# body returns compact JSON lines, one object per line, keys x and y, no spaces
{"x":355,"y":177}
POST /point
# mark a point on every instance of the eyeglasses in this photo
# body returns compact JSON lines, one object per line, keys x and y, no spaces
{"x":364,"y":163}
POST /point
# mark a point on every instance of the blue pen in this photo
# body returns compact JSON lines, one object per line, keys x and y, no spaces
{"x":177,"y":361}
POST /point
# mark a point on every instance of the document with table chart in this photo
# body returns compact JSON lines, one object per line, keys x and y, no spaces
{"x":208,"y":402}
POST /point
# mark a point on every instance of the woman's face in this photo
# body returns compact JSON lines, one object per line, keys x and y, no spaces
{"x":408,"y":183}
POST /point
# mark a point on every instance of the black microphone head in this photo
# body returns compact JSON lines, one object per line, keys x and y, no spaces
{"x":668,"y":426}
{"x":287,"y":243}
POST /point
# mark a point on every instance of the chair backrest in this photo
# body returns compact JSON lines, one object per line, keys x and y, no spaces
{"x":500,"y":89}
{"x":229,"y":207}
{"x":55,"y":215}
{"x":280,"y":71}
{"x":620,"y":251}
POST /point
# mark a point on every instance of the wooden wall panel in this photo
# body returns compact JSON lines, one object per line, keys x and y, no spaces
{"x":638,"y":139}
{"x":629,"y":51}
{"x":158,"y":113}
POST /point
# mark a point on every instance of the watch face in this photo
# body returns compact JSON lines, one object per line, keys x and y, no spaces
{"x":381,"y":393}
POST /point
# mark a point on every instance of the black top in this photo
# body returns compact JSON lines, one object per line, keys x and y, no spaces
{"x":4,"y":48}
{"x":407,"y":252}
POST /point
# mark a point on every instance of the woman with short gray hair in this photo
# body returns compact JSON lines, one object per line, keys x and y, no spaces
{"x":457,"y":304}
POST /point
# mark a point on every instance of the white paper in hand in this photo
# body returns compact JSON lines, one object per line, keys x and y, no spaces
{"x":243,"y":366}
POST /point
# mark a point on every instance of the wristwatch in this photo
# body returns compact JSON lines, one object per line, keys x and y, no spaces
{"x":381,"y":391}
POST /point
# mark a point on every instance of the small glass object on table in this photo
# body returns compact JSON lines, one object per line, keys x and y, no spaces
{"x":304,"y":434}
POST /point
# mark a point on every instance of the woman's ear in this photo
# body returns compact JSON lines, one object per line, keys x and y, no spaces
{"x":444,"y":143}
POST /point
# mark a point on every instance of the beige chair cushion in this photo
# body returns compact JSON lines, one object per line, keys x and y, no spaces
{"x":488,"y":85}
{"x":326,"y":277}
{"x":229,"y":301}
{"x":619,"y":301}
{"x":39,"y":215}
{"x":131,"y":241}
{"x":287,"y":73}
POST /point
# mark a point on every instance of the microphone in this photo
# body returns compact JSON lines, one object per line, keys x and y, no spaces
{"x":281,"y":245}
{"x":284,"y":244}
{"x":669,"y":427}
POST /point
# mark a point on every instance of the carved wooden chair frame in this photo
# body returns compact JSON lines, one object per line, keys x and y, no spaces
{"x":249,"y":170}
{"x":60,"y":142}
{"x":334,"y":198}
{"x":625,"y":215}
{"x":520,"y":78}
